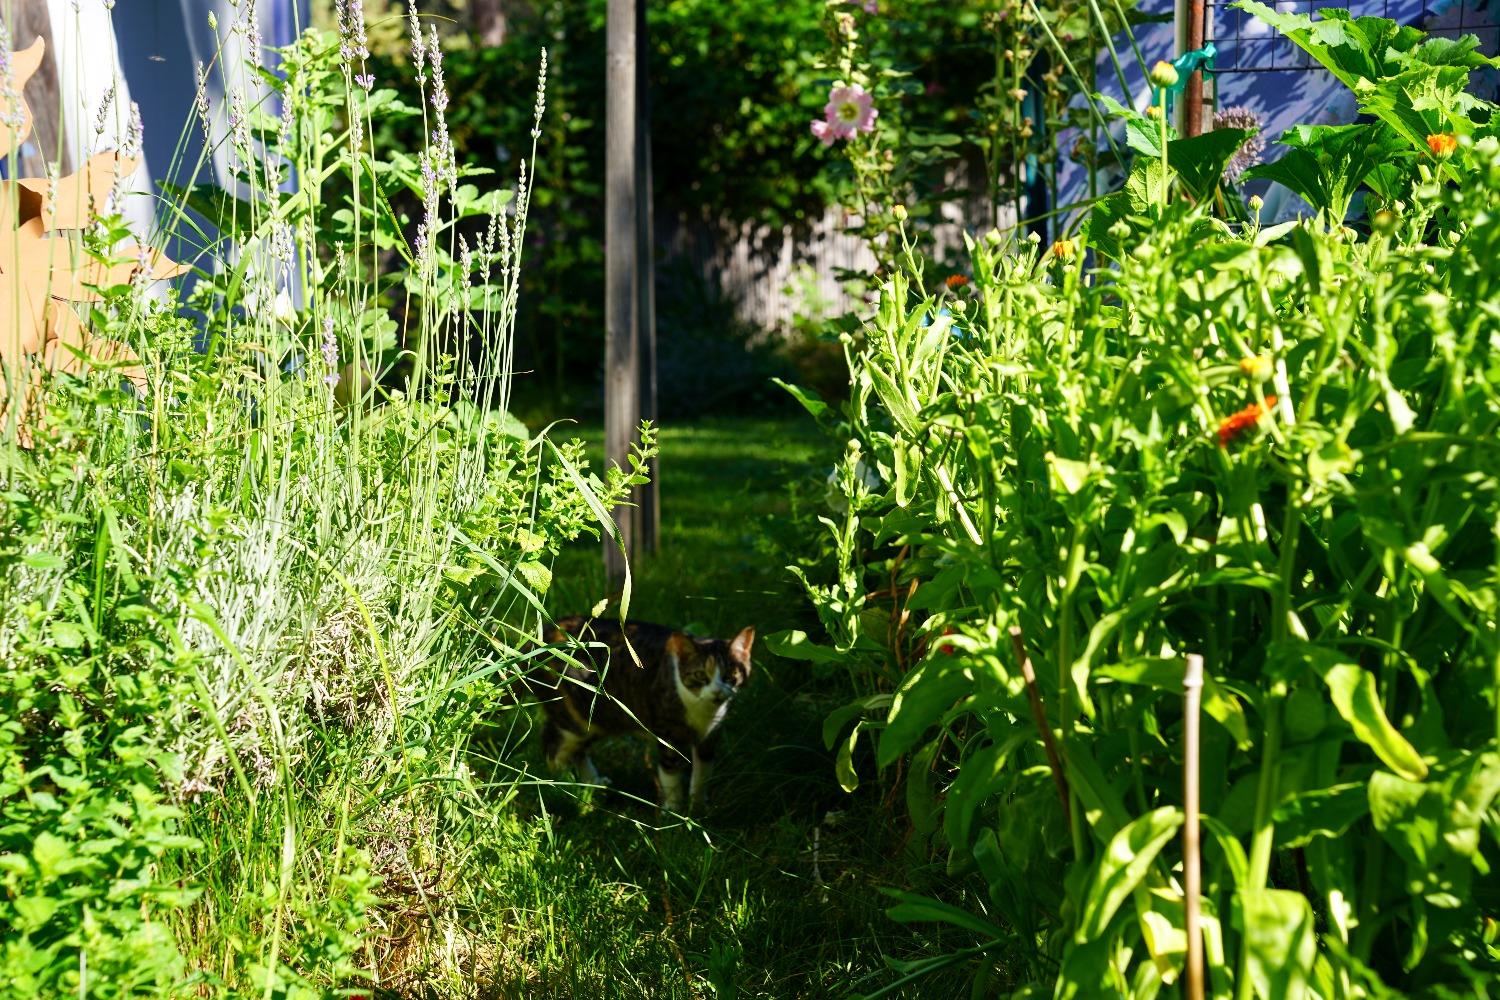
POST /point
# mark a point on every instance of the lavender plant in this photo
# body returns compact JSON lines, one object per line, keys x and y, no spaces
{"x":251,"y":615}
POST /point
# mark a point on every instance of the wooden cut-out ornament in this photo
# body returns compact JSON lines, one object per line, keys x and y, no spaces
{"x":41,"y":274}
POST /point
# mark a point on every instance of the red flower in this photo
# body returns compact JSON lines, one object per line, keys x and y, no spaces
{"x":956,"y":280}
{"x":1236,"y":424}
{"x":946,"y":647}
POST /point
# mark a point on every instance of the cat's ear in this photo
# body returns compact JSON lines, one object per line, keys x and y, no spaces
{"x":739,"y":646}
{"x":680,"y":649}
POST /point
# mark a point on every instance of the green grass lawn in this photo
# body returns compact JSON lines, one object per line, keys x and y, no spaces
{"x":776,"y":893}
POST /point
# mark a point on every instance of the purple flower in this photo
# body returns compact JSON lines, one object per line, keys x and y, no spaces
{"x":365,"y":80}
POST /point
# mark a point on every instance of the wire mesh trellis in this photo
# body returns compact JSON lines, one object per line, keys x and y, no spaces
{"x":1247,"y":44}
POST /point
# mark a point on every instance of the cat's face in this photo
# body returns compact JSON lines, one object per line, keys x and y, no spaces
{"x":714,"y":670}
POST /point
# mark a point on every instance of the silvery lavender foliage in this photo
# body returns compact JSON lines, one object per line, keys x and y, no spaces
{"x":200,"y":100}
{"x":239,"y":124}
{"x":135,"y":134}
{"x":330,"y":350}
{"x":429,"y":211}
{"x":248,"y":25}
{"x":1248,"y":155}
{"x":353,"y":44}
{"x":13,"y":118}
{"x":104,"y":105}
{"x":418,"y":44}
{"x":446,"y":159}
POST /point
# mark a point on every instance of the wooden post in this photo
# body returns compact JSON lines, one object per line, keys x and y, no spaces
{"x":648,"y":506}
{"x":28,"y":20}
{"x":489,"y":20}
{"x":1192,"y":876}
{"x":622,"y":380}
{"x":1192,"y":95}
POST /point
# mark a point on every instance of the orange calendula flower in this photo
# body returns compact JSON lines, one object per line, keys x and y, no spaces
{"x":1442,"y":145}
{"x":956,"y":280}
{"x":1236,"y":424}
{"x":1064,"y":249}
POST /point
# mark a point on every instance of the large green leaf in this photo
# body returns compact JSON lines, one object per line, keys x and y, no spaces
{"x":1120,"y":869}
{"x":979,"y":776}
{"x":929,"y":692}
{"x":913,"y":908}
{"x":1199,"y":160}
{"x":1353,"y":691}
{"x":1280,"y":942}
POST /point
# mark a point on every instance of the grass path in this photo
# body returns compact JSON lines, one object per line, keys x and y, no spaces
{"x":607,"y":900}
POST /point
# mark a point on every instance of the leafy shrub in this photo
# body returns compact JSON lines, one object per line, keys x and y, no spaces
{"x":1170,"y":436}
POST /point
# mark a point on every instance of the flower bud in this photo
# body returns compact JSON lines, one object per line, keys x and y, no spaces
{"x":1018,"y":95}
{"x":899,"y":212}
{"x":1163,"y":74}
{"x":1384,"y":221}
{"x":1256,"y":203}
{"x":993,"y":237}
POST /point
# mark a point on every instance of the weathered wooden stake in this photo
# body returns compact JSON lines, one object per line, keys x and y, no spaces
{"x":648,"y":506}
{"x":622,"y":378}
{"x":1192,"y":96}
{"x":1192,"y":875}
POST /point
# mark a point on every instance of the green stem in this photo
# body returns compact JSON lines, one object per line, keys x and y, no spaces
{"x":1266,"y":792}
{"x":1065,"y":707}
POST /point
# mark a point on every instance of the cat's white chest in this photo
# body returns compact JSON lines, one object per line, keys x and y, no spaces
{"x":700,"y":709}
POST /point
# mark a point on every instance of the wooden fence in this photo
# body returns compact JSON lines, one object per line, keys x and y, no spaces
{"x":773,"y":275}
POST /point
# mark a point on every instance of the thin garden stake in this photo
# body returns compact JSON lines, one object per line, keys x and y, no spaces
{"x":1054,"y":760}
{"x":1192,"y":875}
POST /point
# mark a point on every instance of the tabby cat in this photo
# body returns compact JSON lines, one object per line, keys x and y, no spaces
{"x":676,"y":695}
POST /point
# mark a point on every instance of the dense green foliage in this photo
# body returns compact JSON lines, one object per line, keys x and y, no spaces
{"x":1172,"y":436}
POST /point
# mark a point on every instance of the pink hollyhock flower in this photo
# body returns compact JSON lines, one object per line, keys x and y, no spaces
{"x":824,"y":131}
{"x":850,"y":109}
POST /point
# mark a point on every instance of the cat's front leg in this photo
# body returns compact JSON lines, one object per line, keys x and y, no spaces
{"x":672,"y":777}
{"x":703,"y":767}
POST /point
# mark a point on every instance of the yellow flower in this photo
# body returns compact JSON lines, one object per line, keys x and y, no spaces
{"x":1442,"y":145}
{"x":1257,"y":367}
{"x":1064,"y":249}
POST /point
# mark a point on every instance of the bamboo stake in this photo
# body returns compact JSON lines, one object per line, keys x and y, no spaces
{"x":1049,"y":742}
{"x":1192,"y":875}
